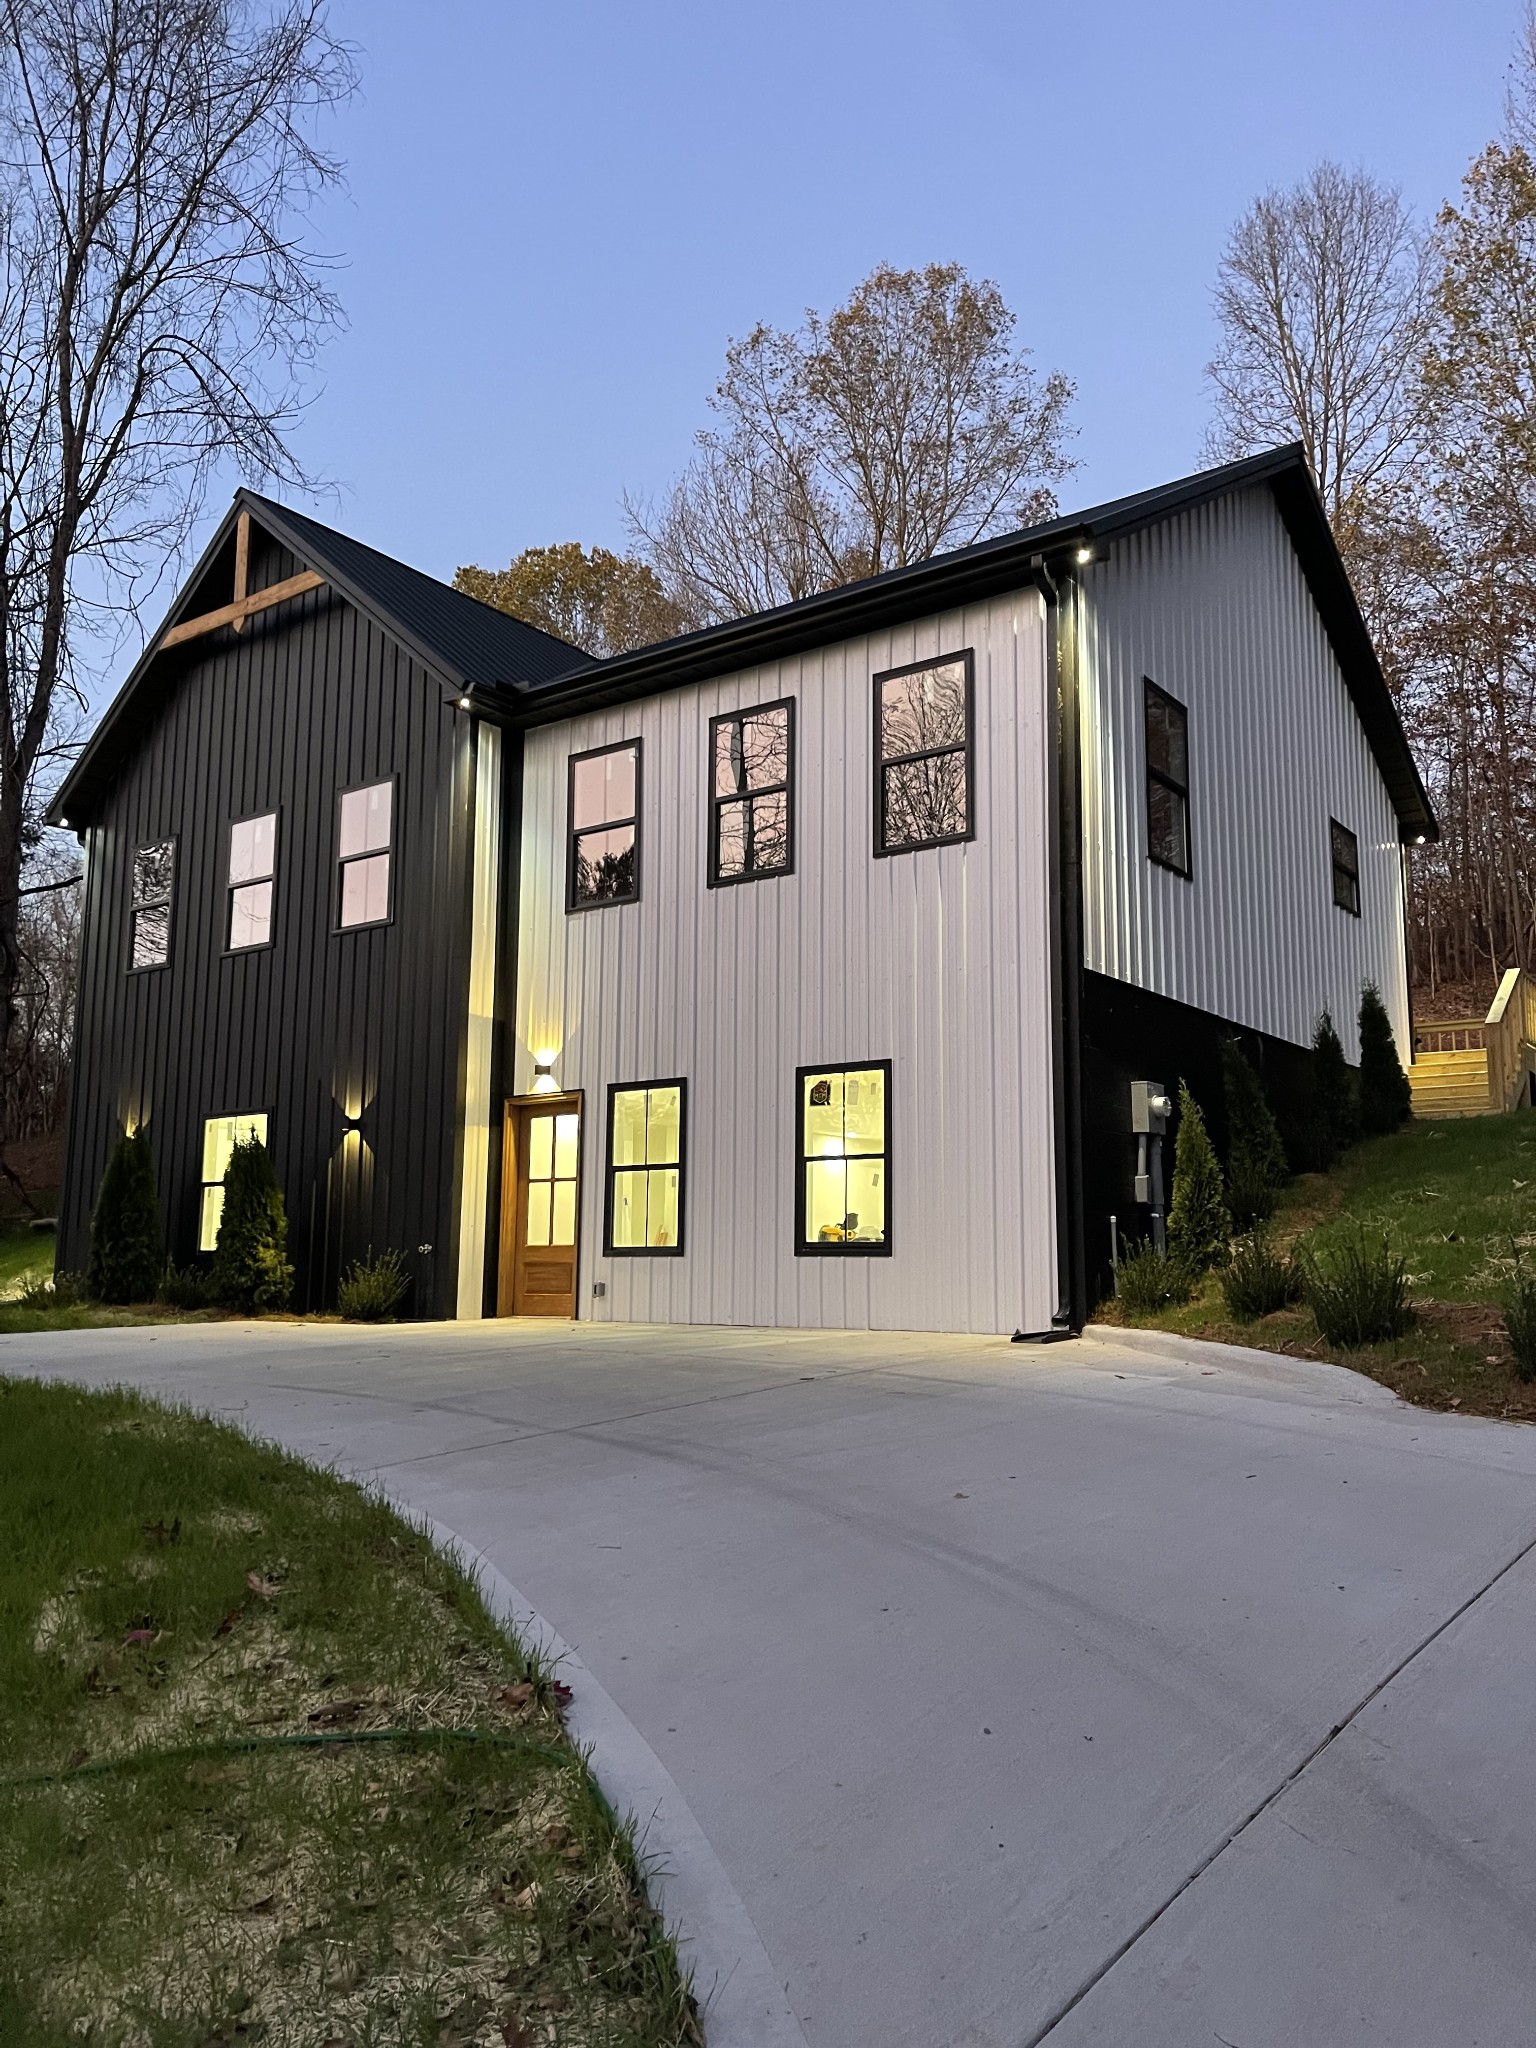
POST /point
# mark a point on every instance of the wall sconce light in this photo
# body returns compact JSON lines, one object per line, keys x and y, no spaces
{"x":463,"y":703}
{"x":351,"y":1123}
{"x":1084,"y":556}
{"x":544,"y":1082}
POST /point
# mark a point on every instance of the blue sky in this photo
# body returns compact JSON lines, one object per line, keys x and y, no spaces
{"x":558,"y":215}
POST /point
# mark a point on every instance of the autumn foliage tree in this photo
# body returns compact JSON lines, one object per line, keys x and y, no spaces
{"x":601,"y":602}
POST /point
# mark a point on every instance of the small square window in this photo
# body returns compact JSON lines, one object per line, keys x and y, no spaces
{"x":252,"y":864}
{"x":364,"y":850}
{"x":923,"y":744}
{"x":646,"y":1131}
{"x":751,"y":755}
{"x":842,"y":1194}
{"x":1345,"y":849}
{"x":154,"y":877}
{"x":220,"y":1136}
{"x":1167,"y":740}
{"x":603,"y":855}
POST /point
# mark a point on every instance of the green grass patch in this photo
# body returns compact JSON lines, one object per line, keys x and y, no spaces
{"x":25,"y":1255}
{"x":1450,"y":1197}
{"x":269,"y":1771}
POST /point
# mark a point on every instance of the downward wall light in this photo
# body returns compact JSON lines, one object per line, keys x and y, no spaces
{"x":544,"y":1082}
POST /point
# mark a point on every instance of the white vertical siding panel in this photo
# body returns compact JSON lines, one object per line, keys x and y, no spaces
{"x":1213,"y":606}
{"x":937,"y":961}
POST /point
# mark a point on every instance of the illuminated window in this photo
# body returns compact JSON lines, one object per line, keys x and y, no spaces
{"x":367,"y":821}
{"x":751,"y":768}
{"x":220,"y":1136}
{"x":252,"y":864}
{"x":1345,"y":849}
{"x":842,"y":1199}
{"x":554,"y":1152}
{"x":645,"y":1168}
{"x":154,"y":878}
{"x":1167,"y":779}
{"x":603,"y":859}
{"x":923,"y":718}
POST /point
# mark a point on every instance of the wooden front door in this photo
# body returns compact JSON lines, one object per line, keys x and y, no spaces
{"x":540,"y":1207}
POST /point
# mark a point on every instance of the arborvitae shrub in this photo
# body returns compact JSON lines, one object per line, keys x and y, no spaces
{"x":1335,"y":1103}
{"x":127,"y":1251}
{"x":251,"y":1272}
{"x":1385,"y":1096}
{"x":1198,"y":1223}
{"x":1256,"y":1164}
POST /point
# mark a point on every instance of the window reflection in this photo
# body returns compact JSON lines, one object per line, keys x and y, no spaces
{"x":604,"y":826}
{"x":924,"y":752}
{"x":645,"y":1168}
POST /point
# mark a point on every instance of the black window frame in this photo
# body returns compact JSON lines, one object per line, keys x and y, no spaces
{"x":275,"y":813}
{"x":1163,"y":780}
{"x":1351,"y":874}
{"x":341,"y":863}
{"x":574,"y":905}
{"x":647,"y":1251}
{"x":841,"y":1250}
{"x":717,"y":803}
{"x":967,"y":655}
{"x":173,"y":841}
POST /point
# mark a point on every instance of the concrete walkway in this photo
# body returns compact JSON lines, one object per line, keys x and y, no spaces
{"x":1072,"y":1695}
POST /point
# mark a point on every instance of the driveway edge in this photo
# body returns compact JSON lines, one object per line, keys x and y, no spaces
{"x":1339,"y":1379}
{"x":740,"y":1994}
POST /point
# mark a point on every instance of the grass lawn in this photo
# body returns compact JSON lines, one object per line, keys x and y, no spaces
{"x":1451,"y":1196}
{"x":24,"y":1255}
{"x":270,"y":1772}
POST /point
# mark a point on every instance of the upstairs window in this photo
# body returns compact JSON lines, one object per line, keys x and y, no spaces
{"x":924,"y":747}
{"x":841,"y":1204}
{"x":751,"y":763}
{"x":252,"y":864}
{"x":645,"y":1168}
{"x":154,"y":878}
{"x":363,"y":851}
{"x":1167,"y":780}
{"x":1345,"y":849}
{"x":603,"y":860}
{"x":220,"y":1136}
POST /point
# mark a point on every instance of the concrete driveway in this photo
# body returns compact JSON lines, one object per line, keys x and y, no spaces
{"x":1068,"y":1695}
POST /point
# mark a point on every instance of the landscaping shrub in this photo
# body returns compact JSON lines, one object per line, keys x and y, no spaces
{"x":1147,"y":1280}
{"x":1335,"y":1103}
{"x":1520,"y":1319}
{"x":1198,"y":1222}
{"x":188,"y":1287}
{"x":1385,"y":1096}
{"x":1358,"y":1291}
{"x":372,"y":1289}
{"x":1256,"y":1163}
{"x":127,"y":1251}
{"x":1258,"y":1278}
{"x":251,"y":1272}
{"x":53,"y":1290}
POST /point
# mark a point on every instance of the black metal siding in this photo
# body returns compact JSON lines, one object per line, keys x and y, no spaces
{"x":312,"y":699}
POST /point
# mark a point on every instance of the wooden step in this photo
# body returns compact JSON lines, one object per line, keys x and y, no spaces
{"x":1450,"y":1084}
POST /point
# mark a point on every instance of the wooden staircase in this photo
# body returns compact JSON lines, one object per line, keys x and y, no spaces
{"x":1475,"y":1066}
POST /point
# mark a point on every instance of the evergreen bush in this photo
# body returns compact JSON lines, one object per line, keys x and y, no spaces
{"x":127,"y":1250}
{"x":1198,"y":1222}
{"x":1147,"y":1280}
{"x":1258,"y":1278}
{"x":1358,"y":1291}
{"x":1385,"y":1096}
{"x":1335,"y":1102}
{"x":372,"y":1289}
{"x":251,"y":1272}
{"x":1256,"y":1163}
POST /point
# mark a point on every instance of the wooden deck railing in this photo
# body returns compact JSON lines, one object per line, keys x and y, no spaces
{"x":1467,"y":1066}
{"x":1509,"y":1031}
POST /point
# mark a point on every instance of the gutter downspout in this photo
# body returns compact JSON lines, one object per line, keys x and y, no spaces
{"x":1064,"y":856}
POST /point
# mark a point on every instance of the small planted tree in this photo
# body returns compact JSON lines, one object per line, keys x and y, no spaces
{"x":1256,"y":1165}
{"x":251,"y":1272}
{"x":127,"y":1250}
{"x":1335,"y":1102}
{"x":1199,"y":1226}
{"x":1385,"y":1096}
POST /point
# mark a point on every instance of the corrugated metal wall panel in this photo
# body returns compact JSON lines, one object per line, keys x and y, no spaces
{"x":937,"y":960}
{"x":1213,"y":607}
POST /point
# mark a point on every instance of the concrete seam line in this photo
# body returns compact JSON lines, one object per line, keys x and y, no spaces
{"x":1256,"y":1813}
{"x":743,"y":2001}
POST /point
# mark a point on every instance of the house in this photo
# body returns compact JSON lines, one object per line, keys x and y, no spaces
{"x":797,"y":971}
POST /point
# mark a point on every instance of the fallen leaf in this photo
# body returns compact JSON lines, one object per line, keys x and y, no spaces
{"x":264,"y":1589}
{"x":75,"y":1759}
{"x":141,"y":1635}
{"x":229,"y":1621}
{"x":157,"y":1532}
{"x":516,"y":1695}
{"x":563,"y":1694}
{"x":339,"y":1715}
{"x":514,"y":2033}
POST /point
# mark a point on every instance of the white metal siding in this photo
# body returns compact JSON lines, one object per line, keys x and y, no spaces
{"x":1213,"y":606}
{"x":936,"y":960}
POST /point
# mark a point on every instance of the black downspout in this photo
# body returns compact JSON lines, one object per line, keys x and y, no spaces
{"x":1064,"y":861}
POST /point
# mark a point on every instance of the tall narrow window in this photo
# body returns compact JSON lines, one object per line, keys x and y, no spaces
{"x":252,"y":864}
{"x":1345,"y":849}
{"x":154,"y":880}
{"x":842,"y":1200}
{"x":603,"y":860}
{"x":751,"y":766}
{"x":220,"y":1136}
{"x":923,"y":732}
{"x":645,"y":1168}
{"x":1167,"y":779}
{"x":363,"y":851}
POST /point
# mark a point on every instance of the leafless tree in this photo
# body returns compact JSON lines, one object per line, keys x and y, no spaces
{"x":159,"y":310}
{"x":903,"y":423}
